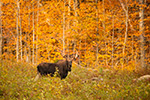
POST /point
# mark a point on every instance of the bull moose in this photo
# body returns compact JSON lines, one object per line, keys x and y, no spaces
{"x":62,"y":66}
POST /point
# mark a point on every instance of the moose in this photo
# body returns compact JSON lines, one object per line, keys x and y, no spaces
{"x":62,"y":66}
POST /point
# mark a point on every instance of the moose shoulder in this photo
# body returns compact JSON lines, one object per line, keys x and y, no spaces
{"x":63,"y":67}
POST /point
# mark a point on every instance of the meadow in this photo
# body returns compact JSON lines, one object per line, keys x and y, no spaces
{"x":17,"y":83}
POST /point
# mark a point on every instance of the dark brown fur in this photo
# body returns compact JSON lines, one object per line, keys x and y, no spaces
{"x":50,"y":68}
{"x":63,"y":67}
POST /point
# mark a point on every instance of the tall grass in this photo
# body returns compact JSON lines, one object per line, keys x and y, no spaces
{"x":16,"y":82}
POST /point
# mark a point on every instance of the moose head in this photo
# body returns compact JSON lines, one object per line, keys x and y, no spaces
{"x":68,"y":59}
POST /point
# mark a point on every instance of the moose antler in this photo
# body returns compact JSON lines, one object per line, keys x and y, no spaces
{"x":68,"y":57}
{"x":76,"y":56}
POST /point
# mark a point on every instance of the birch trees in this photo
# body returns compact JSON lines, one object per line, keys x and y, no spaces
{"x":1,"y":32}
{"x":17,"y":31}
{"x":141,"y":31}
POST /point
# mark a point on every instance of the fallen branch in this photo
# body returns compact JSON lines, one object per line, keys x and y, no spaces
{"x":142,"y":78}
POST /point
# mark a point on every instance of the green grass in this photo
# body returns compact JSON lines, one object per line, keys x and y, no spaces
{"x":16,"y":83}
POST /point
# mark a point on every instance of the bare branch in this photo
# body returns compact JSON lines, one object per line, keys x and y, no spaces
{"x":122,"y":5}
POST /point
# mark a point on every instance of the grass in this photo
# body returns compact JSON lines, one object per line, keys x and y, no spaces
{"x":16,"y":83}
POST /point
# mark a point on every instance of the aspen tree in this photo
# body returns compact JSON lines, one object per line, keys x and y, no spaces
{"x":33,"y":60}
{"x":17,"y":31}
{"x":1,"y":32}
{"x":141,"y":31}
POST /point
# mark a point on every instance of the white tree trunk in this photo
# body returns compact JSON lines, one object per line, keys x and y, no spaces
{"x":97,"y":29}
{"x":141,"y":30}
{"x":112,"y":53}
{"x":1,"y":32}
{"x":33,"y":34}
{"x":125,"y":8}
{"x":21,"y":53}
{"x":28,"y":57}
{"x":37,"y":31}
{"x":64,"y":28}
{"x":17,"y":31}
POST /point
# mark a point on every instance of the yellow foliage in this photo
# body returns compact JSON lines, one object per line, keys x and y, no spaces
{"x":58,"y":26}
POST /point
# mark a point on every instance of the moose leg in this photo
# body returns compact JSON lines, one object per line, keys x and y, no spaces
{"x":37,"y":76}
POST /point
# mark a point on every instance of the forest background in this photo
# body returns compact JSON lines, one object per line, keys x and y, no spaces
{"x":108,"y":33}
